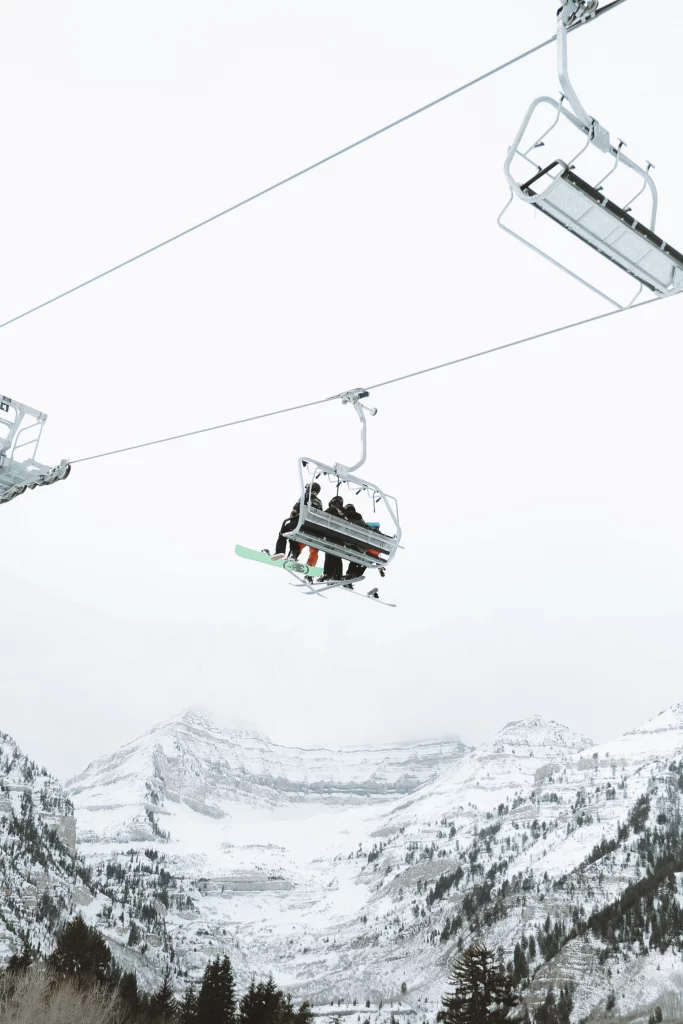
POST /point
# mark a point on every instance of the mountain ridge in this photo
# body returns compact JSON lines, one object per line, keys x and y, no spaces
{"x":191,"y":759}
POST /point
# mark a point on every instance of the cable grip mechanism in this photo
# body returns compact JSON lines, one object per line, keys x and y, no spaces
{"x":573,"y":12}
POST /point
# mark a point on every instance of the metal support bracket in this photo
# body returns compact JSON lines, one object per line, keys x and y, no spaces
{"x":354,"y":398}
{"x":572,"y":13}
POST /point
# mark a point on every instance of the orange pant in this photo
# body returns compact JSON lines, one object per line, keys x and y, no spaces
{"x":312,"y":556}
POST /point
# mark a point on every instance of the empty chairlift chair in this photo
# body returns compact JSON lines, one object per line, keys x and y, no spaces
{"x":355,"y":542}
{"x":572,"y":192}
{"x":20,"y":431}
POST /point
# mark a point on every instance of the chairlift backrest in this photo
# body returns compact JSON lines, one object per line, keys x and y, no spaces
{"x":20,"y":427}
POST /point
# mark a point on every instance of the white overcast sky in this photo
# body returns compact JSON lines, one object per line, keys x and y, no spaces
{"x":540,"y":489}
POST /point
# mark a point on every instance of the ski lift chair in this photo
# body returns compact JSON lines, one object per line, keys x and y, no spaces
{"x":336,"y":536}
{"x":567,"y":197}
{"x":20,"y":431}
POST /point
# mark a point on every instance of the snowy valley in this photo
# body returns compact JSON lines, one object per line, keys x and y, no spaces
{"x":357,"y":874}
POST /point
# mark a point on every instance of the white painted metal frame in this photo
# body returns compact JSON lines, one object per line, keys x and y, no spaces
{"x":21,"y":428}
{"x":340,"y":537}
{"x":580,"y":206}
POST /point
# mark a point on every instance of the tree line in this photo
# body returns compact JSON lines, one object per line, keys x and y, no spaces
{"x":81,"y":983}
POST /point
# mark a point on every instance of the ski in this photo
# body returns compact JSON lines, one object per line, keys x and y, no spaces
{"x":331,"y":585}
{"x":307,"y":585}
{"x":316,"y":587}
{"x":371,"y":597}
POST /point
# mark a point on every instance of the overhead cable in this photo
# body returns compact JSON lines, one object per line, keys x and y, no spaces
{"x":374,"y":387}
{"x":305,"y":170}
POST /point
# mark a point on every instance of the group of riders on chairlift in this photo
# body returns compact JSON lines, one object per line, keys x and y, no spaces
{"x":333,"y":569}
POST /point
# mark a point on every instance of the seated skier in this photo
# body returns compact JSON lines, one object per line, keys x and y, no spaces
{"x":311,"y":492}
{"x":375,"y":528}
{"x":352,"y":516}
{"x":333,"y":568}
{"x":373,"y":551}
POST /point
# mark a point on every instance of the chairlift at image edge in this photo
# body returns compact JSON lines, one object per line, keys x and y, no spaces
{"x":338,"y":531}
{"x":21,"y":428}
{"x":559,"y":191}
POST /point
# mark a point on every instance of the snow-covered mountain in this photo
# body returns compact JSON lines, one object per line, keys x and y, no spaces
{"x":44,"y":880}
{"x":39,"y":869}
{"x":350,"y":874}
{"x":191,"y":762}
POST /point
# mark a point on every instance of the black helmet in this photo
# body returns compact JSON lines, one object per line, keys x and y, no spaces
{"x":349,"y":508}
{"x":337,"y":501}
{"x":315,"y":487}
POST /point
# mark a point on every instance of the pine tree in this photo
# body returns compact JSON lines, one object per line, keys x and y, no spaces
{"x":128,"y":993}
{"x":187,"y":1009}
{"x":250,"y":1005}
{"x":546,"y":1013}
{"x":482,"y":992}
{"x":264,"y":1003}
{"x":162,"y":1005}
{"x":82,"y":953}
{"x":555,"y":1011}
{"x":565,"y":1005}
{"x":304,"y":1015}
{"x":271,"y":997}
{"x":19,"y":962}
{"x":216,"y":1001}
{"x":520,"y":965}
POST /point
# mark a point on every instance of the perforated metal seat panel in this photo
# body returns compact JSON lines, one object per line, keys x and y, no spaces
{"x":354,"y":531}
{"x":330,"y":547}
{"x":606,"y":227}
{"x":15,"y":476}
{"x":342,"y":538}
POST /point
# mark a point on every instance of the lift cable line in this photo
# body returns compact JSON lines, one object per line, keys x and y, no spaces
{"x":305,"y":170}
{"x":374,"y":387}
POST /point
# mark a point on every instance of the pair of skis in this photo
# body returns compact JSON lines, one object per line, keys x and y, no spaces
{"x":346,"y":585}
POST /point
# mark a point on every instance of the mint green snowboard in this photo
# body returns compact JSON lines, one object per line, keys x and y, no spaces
{"x":282,"y":563}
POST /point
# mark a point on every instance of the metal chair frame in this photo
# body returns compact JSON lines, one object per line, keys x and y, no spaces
{"x":21,"y":427}
{"x":581,"y":207}
{"x":337,"y":536}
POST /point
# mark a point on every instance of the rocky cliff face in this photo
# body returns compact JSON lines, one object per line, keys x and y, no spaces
{"x":40,"y":874}
{"x":213,"y":770}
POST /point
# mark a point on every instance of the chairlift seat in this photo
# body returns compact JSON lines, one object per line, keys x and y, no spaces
{"x":607,"y":228}
{"x":329,"y":547}
{"x":343,"y":538}
{"x":21,"y":428}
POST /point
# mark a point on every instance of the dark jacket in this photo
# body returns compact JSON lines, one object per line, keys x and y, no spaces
{"x":353,"y":516}
{"x":314,"y":502}
{"x":334,"y":510}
